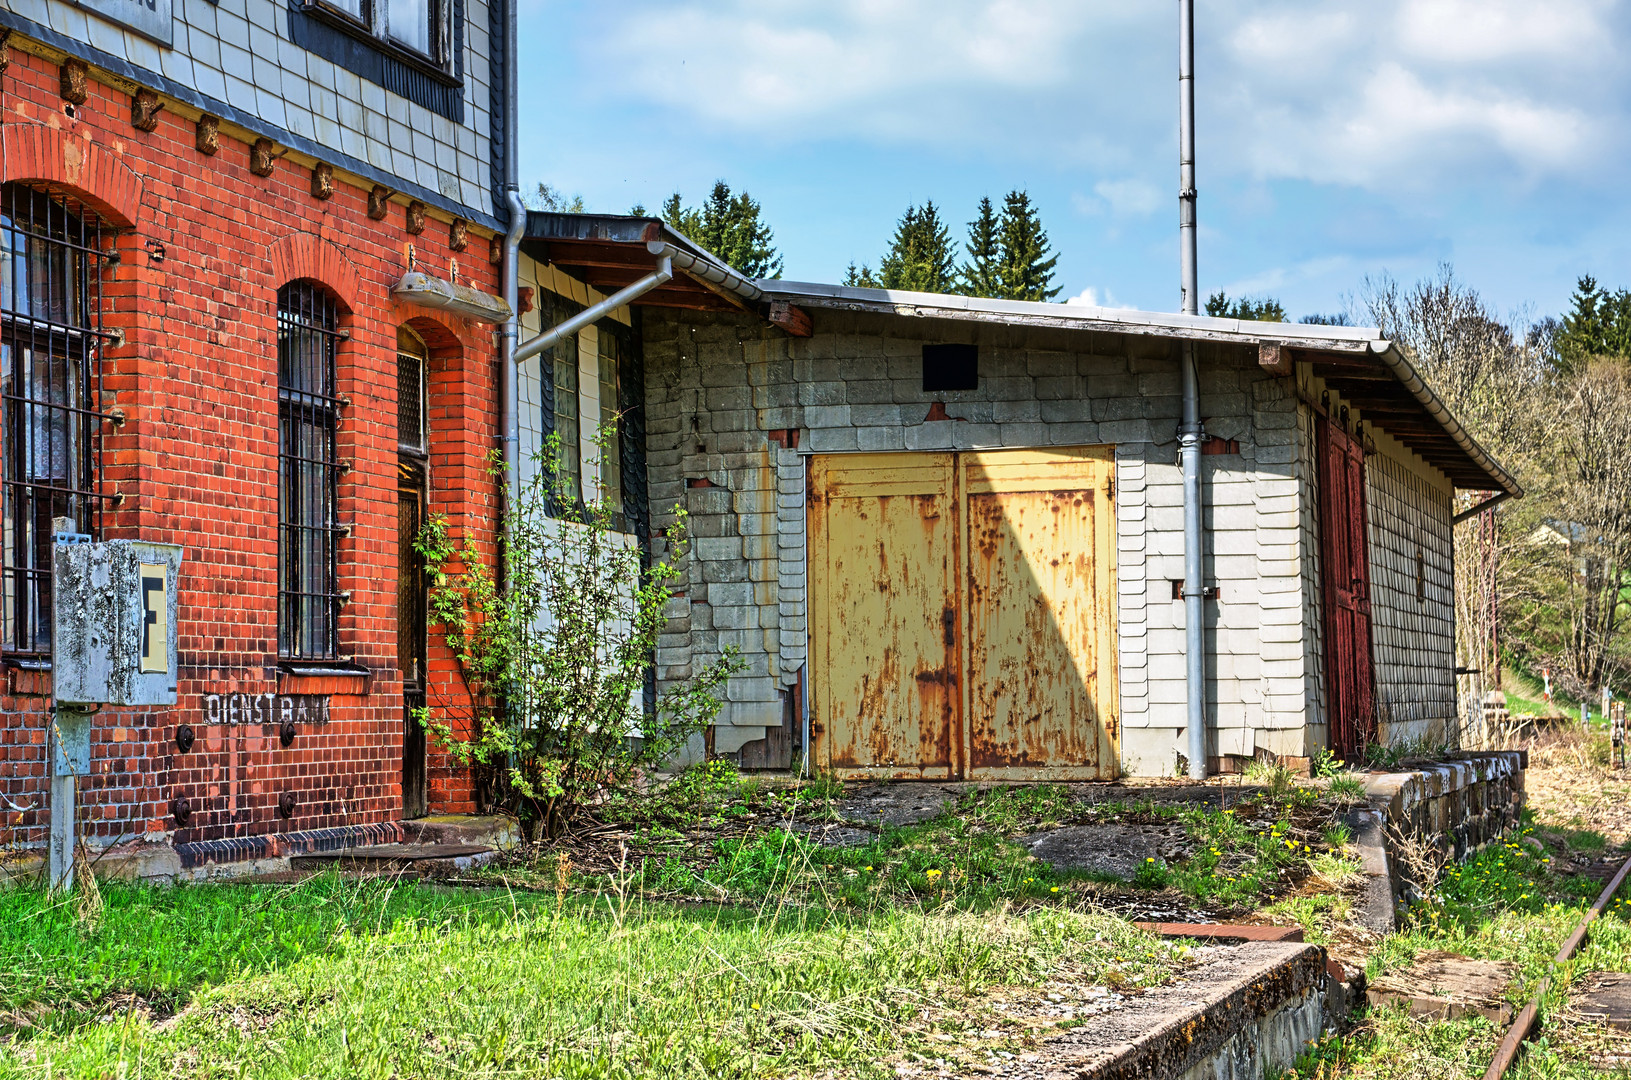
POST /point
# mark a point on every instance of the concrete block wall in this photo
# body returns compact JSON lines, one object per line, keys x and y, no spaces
{"x":1409,"y":507}
{"x":237,"y":58}
{"x":718,"y":387}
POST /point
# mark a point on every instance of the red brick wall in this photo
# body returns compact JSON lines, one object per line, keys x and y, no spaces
{"x":196,"y":462}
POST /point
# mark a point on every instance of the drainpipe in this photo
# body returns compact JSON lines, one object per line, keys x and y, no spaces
{"x":1190,"y":433}
{"x":594,"y":312}
{"x":510,"y":431}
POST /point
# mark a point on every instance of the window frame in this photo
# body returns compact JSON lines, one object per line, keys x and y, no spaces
{"x":311,"y":476}
{"x":373,"y":28}
{"x":74,"y":339}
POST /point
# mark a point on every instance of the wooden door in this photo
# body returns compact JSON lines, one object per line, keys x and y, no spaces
{"x":1041,"y":592}
{"x":883,"y":559}
{"x":1345,"y":580}
{"x":411,"y":649}
{"x":925,"y":566}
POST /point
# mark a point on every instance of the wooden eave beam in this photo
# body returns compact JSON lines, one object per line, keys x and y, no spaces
{"x":795,"y":320}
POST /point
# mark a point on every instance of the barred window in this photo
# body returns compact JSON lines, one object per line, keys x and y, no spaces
{"x":611,"y":442}
{"x":412,"y":420}
{"x":308,"y":473}
{"x":560,"y":401}
{"x":51,"y":263}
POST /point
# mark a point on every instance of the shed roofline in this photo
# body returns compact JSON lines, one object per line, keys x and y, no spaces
{"x":1350,"y":341}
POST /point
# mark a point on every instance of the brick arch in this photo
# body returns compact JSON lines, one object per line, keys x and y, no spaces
{"x":306,"y":255}
{"x":95,"y":174}
{"x":442,"y":342}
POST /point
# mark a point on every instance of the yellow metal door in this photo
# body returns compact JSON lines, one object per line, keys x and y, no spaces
{"x":1041,"y":590}
{"x":883,"y":583}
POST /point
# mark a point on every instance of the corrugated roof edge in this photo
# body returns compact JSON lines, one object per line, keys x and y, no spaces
{"x":1343,"y":339}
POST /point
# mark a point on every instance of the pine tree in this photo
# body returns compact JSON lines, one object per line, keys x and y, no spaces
{"x":729,"y":226}
{"x":1025,"y":268}
{"x":978,"y":276}
{"x":1598,"y":323}
{"x":920,"y":257}
{"x":1267,"y":309}
{"x":861,"y":278}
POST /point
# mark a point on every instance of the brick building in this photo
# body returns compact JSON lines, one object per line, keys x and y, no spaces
{"x":946,"y":533}
{"x":210,"y":337}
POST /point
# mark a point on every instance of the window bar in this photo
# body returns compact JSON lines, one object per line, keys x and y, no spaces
{"x":308,"y":603}
{"x":51,"y":307}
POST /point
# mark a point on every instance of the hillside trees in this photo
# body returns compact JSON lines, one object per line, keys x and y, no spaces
{"x":1558,"y":415}
{"x":731,"y":226}
{"x":1008,"y":254}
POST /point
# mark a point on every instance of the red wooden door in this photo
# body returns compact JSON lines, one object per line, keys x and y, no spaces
{"x":1345,"y":573}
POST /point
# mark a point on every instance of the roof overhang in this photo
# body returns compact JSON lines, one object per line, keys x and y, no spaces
{"x":612,"y":251}
{"x":1369,"y":372}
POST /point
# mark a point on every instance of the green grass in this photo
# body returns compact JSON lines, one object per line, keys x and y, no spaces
{"x":330,"y":979}
{"x":1505,"y":903}
{"x":966,"y":859}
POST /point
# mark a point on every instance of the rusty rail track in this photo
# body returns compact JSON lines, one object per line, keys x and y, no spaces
{"x":1520,"y":1028}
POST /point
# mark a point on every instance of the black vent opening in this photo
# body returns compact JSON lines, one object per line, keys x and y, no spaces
{"x":951,"y":367}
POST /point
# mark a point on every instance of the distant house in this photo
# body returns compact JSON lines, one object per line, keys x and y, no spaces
{"x":946,"y":533}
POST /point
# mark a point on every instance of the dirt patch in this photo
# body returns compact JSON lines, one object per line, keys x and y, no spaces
{"x":1569,"y":786}
{"x":897,"y":804}
{"x":1113,"y":849}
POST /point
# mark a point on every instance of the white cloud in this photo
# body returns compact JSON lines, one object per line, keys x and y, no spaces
{"x":1410,"y":94}
{"x":1089,"y":297}
{"x":1131,"y":197}
{"x":1389,"y":95}
{"x":916,"y":69}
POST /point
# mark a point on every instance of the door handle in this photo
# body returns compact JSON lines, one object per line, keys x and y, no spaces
{"x":948,"y":622}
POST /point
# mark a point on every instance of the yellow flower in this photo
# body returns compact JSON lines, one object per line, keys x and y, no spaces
{"x":755,"y":1004}
{"x":1054,"y":889}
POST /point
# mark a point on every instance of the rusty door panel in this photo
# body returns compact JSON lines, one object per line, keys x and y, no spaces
{"x":1345,"y":574}
{"x":1042,"y":698}
{"x":883,"y":532}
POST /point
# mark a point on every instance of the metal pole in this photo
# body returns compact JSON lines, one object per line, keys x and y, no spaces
{"x":1186,"y":155}
{"x":60,"y":844}
{"x":1190,"y":433}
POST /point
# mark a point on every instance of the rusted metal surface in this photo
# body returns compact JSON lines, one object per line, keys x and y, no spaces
{"x":882,"y":572}
{"x":926,"y":566}
{"x":1041,"y":615}
{"x":1223,"y":931}
{"x":1345,"y":578}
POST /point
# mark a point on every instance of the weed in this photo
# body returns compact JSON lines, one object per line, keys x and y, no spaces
{"x":1324,"y":763}
{"x":1278,"y":779}
{"x":1005,"y":808}
{"x":1335,"y":868}
{"x":1347,"y":788}
{"x":1337,"y":836}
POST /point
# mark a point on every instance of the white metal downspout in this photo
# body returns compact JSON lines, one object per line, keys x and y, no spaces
{"x":593,"y":313}
{"x":1191,"y":434}
{"x":510,"y":431}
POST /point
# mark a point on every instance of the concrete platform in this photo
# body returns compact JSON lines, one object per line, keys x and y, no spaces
{"x":1241,"y":1013}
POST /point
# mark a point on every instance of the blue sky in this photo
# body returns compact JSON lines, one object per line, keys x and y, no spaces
{"x":1337,"y":139}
